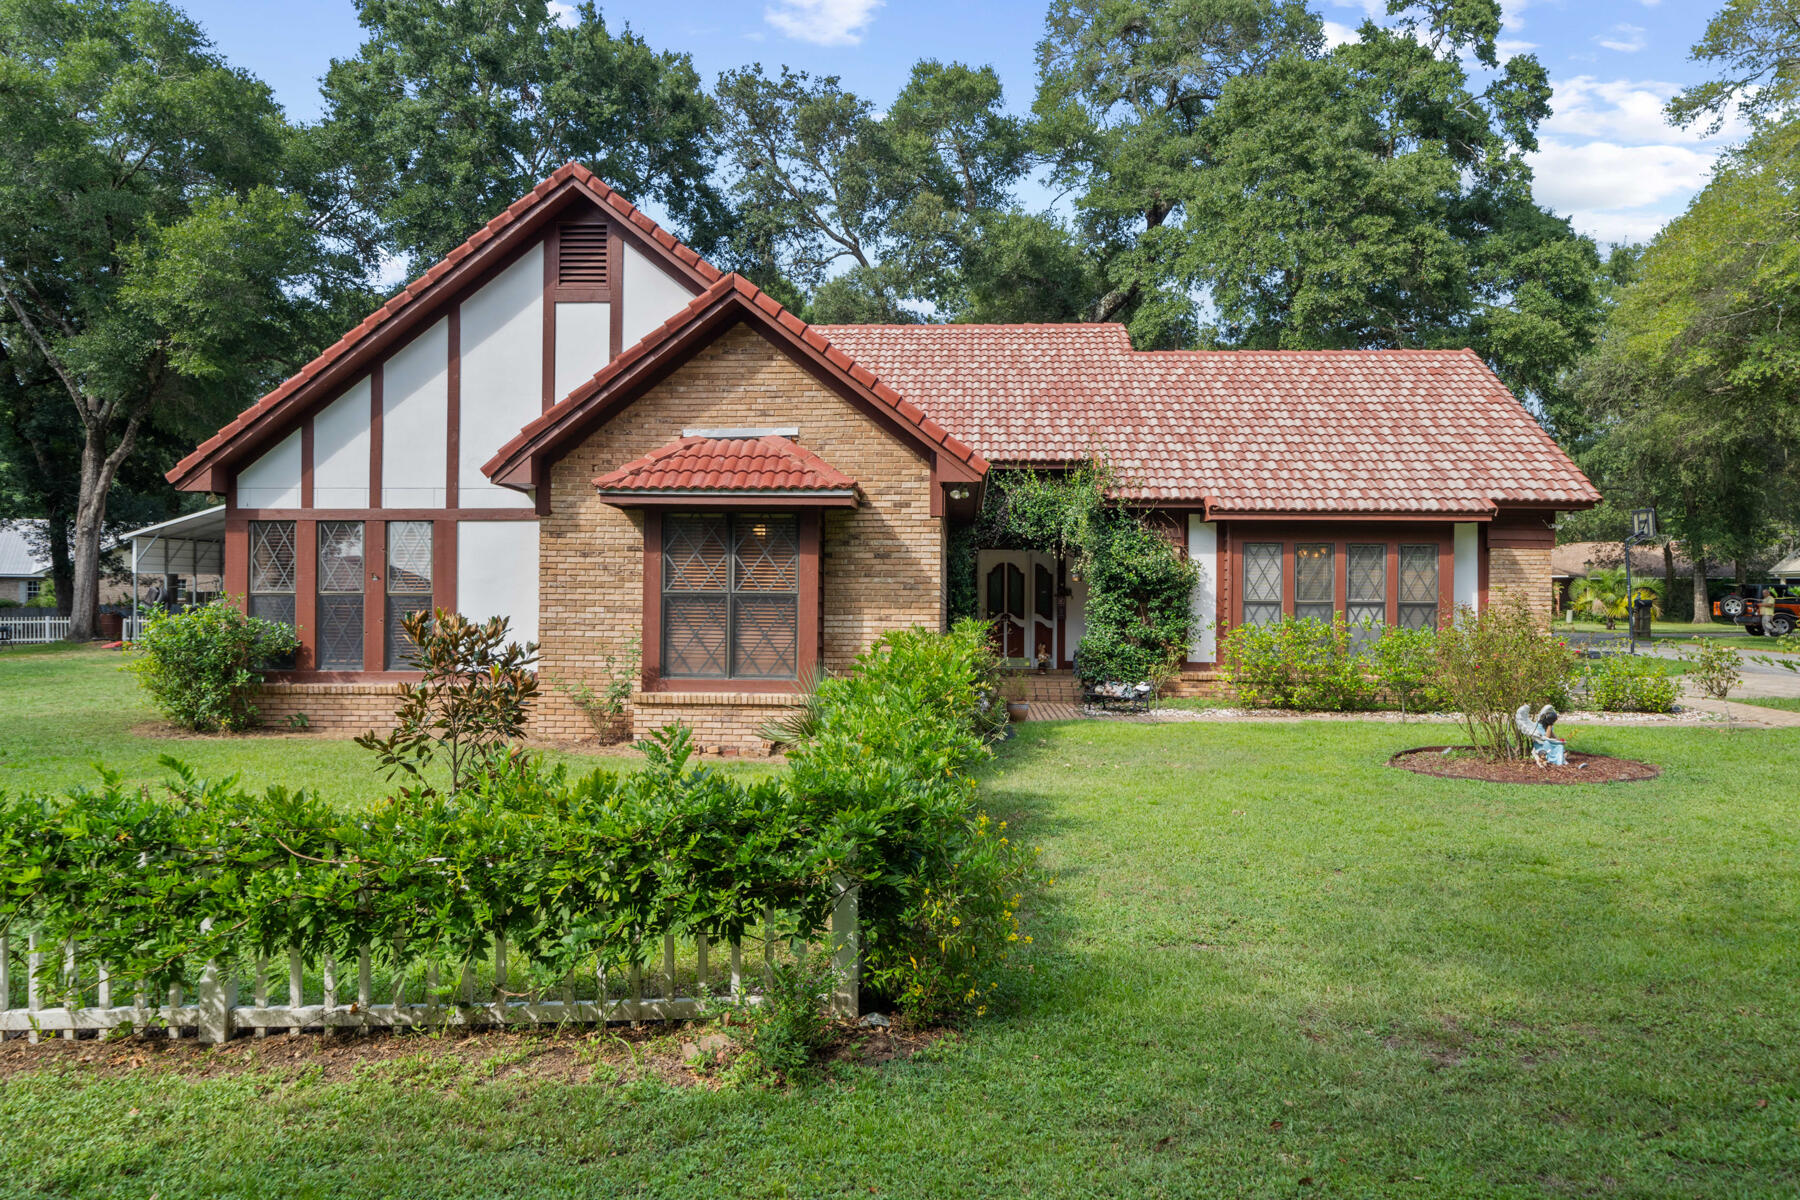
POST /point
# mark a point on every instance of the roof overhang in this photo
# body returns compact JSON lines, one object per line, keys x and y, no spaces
{"x":729,"y":498}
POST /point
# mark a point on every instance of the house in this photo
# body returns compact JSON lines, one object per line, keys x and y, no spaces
{"x":24,"y":569}
{"x":575,"y":421}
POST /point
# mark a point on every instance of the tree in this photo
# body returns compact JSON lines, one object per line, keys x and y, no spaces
{"x":450,"y":112}
{"x":1124,"y":91}
{"x":1370,"y":198}
{"x":880,"y":215}
{"x":150,"y":266}
{"x":1757,"y":43}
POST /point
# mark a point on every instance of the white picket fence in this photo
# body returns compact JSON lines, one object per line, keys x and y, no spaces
{"x":417,"y":997}
{"x":28,"y":629}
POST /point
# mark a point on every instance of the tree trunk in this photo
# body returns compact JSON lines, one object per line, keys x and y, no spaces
{"x":1741,"y":574}
{"x":62,"y":568}
{"x":1702,"y":605}
{"x":1668,"y":570}
{"x":97,"y":471}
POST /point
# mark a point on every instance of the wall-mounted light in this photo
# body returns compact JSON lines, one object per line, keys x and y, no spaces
{"x":959,"y":493}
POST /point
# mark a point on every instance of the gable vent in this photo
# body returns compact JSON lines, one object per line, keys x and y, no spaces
{"x":581,"y":256}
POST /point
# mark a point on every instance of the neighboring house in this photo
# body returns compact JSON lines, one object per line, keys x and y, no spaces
{"x":576,"y":422}
{"x":1787,"y":571}
{"x":24,"y":571}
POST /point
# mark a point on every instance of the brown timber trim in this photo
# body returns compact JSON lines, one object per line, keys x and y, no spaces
{"x":374,"y":597}
{"x":1482,"y":558}
{"x":306,"y":593}
{"x":1391,"y":534}
{"x":443,"y":563}
{"x":237,"y":558}
{"x":306,"y":463}
{"x":1371,"y":518}
{"x":386,"y":514}
{"x":615,"y":274}
{"x":453,"y":406}
{"x":375,"y":402}
{"x":651,"y":659}
{"x":811,"y":632}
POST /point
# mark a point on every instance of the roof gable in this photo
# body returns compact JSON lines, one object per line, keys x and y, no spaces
{"x":421,"y":301}
{"x":731,"y":301}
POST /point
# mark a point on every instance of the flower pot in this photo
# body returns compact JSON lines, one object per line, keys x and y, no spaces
{"x":1017,"y":710}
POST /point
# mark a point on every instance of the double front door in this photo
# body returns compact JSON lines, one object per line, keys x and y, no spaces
{"x":1018,"y":601}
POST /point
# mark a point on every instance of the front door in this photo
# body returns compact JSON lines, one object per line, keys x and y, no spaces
{"x":1018,"y":601}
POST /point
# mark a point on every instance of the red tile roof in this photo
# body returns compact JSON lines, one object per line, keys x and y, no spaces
{"x":1402,"y":431}
{"x":767,"y":463}
{"x":403,"y":302}
{"x":732,"y":296}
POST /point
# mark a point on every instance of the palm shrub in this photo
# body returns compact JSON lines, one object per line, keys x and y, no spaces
{"x":201,"y":667}
{"x":1491,"y":662}
{"x":1602,"y":593}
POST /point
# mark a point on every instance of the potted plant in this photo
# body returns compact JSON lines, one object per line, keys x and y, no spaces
{"x":1012,"y":688}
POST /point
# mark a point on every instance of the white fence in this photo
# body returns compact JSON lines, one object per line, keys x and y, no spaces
{"x":321,"y":997}
{"x":26,"y":628}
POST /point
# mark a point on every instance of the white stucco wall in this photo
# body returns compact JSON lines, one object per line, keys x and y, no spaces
{"x":583,"y":339}
{"x":497,"y":573}
{"x":415,"y":416}
{"x":1203,"y":549}
{"x":341,"y":451}
{"x":502,"y":375}
{"x":651,"y":297}
{"x":272,"y":481}
{"x":1467,"y":584}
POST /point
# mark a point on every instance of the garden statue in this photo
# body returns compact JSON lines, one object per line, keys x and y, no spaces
{"x":1547,"y":750}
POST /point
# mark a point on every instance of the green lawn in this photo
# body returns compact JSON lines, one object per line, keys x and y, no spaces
{"x":1788,"y":703}
{"x":1271,"y":966}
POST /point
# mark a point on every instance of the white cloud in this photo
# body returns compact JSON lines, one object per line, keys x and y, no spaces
{"x":1339,"y":35}
{"x":1626,"y":39}
{"x":1621,"y":110}
{"x":1618,"y":192}
{"x":823,"y":22}
{"x":1507,"y":47}
{"x":563,"y":14}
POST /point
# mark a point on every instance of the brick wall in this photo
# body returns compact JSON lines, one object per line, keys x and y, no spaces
{"x":880,"y":563}
{"x":340,"y":708}
{"x":1521,"y":570}
{"x":722,"y":722}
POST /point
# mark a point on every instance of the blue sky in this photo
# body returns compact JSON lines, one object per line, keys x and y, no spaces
{"x":1607,"y":160}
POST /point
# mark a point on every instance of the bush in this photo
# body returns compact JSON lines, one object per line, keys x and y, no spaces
{"x":1306,"y":665}
{"x":1625,"y":683}
{"x":1492,"y":662}
{"x":1139,"y":622}
{"x":885,"y":778}
{"x":201,"y":666}
{"x":783,"y":1035}
{"x":1713,"y":666}
{"x":1405,"y":663}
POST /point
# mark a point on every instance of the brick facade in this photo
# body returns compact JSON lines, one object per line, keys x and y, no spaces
{"x":880,"y":563}
{"x":348,"y":709}
{"x":1525,"y":571}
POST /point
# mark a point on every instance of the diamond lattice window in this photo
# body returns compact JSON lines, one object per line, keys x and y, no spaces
{"x":1262,"y":583}
{"x":1366,"y":577}
{"x":1315,"y":582}
{"x":1419,"y":587}
{"x":408,"y":586}
{"x":272,"y":571}
{"x":340,"y":602}
{"x":731,"y":596}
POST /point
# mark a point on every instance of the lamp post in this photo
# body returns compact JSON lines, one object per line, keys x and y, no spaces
{"x":1643,"y":528}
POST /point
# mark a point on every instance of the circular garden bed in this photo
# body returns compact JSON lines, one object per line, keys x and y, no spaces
{"x":1464,"y":762}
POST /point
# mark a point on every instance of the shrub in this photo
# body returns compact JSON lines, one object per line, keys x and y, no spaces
{"x":473,"y":701}
{"x":1405,"y":663}
{"x":604,"y":707}
{"x":1625,"y":683}
{"x":1713,"y":666}
{"x":783,"y":1035}
{"x":885,"y":779}
{"x":1139,"y":622}
{"x":201,"y":666}
{"x":1306,"y":664}
{"x":1494,"y":661}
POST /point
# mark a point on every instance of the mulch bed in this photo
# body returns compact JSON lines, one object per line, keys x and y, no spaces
{"x":1463,"y":762}
{"x":682,"y":1054}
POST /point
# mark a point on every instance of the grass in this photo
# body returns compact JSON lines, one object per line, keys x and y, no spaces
{"x":1270,"y":966}
{"x":1785,"y":703}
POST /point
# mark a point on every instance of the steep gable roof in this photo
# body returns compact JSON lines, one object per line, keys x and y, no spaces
{"x":1366,"y":431}
{"x":731,"y":300}
{"x":418,"y":301}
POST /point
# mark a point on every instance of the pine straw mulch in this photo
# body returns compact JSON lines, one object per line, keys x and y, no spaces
{"x":683,"y":1055}
{"x":1465,"y":762}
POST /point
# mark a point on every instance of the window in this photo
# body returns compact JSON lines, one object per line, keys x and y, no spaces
{"x":731,"y":596}
{"x":1315,"y":582}
{"x":408,"y":586}
{"x":33,"y":589}
{"x":1418,"y":587}
{"x":1366,"y":577}
{"x":1262,"y":583}
{"x":340,"y":616}
{"x":272,"y":571}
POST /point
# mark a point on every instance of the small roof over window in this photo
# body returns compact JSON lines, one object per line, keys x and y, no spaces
{"x":720,"y":469}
